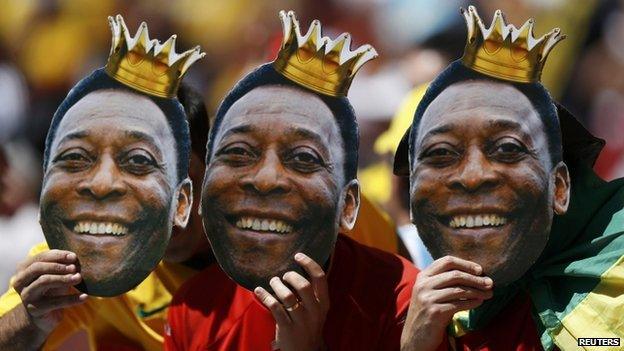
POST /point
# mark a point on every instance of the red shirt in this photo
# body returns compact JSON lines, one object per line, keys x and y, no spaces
{"x":369,"y":294}
{"x":513,"y":329}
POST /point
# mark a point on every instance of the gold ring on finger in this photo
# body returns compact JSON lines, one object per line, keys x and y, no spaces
{"x":293,"y":307}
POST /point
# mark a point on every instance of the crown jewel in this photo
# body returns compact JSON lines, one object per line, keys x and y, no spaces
{"x":505,"y":52}
{"x":319,"y":63}
{"x":147,"y":65}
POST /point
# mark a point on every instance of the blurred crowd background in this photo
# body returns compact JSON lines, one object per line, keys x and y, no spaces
{"x":46,"y":46}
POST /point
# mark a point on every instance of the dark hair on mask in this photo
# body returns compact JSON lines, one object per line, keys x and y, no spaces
{"x":99,"y":80}
{"x":340,"y":107}
{"x":197,"y":115}
{"x":536,"y":93}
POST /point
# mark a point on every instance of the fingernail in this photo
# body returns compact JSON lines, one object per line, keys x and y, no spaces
{"x":83,"y":297}
{"x":299,"y":256}
{"x":272,"y":279}
{"x":258,"y":290}
{"x":70,"y":268}
{"x":75,"y":276}
{"x":478,"y":269}
{"x":488,"y":281}
{"x":71,"y":256}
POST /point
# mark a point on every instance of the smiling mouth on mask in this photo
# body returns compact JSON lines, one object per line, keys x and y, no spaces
{"x":477,"y":221}
{"x":100,"y":228}
{"x":268,"y":225}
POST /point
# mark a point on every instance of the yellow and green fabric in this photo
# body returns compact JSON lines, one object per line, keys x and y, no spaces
{"x":577,"y":286}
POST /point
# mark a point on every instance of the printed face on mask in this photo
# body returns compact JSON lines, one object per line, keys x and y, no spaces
{"x":110,"y":192}
{"x":274,"y":185}
{"x":482,"y":185}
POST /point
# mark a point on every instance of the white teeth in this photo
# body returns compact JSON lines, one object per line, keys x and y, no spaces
{"x":478,"y":222}
{"x":256,"y":224}
{"x":265,"y":225}
{"x":100,"y":228}
{"x":470,"y":221}
{"x":473,"y":221}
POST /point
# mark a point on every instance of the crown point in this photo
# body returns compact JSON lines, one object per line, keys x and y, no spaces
{"x":316,"y":62}
{"x":146,"y":65}
{"x":504,"y":51}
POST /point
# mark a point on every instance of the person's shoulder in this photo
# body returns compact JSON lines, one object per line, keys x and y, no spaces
{"x":202,"y":287}
{"x":369,"y":283}
{"x":365,"y":255}
{"x":372,"y":266}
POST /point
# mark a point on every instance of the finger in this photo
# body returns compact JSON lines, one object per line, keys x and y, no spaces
{"x":46,"y":283}
{"x":39,"y":268}
{"x":270,"y":302}
{"x":303,"y":288}
{"x":455,"y":277}
{"x":54,"y":303}
{"x":59,"y":256}
{"x":317,"y":278}
{"x":448,"y":263}
{"x":64,"y":290}
{"x":460,"y":293}
{"x":283,"y":293}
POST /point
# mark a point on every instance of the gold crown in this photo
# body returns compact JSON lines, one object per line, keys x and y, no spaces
{"x":316,"y":62}
{"x":505,"y":52}
{"x":147,"y":65}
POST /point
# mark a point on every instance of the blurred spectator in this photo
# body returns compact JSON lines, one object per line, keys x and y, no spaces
{"x":19,"y":211}
{"x":598,"y":91}
{"x":13,"y":100}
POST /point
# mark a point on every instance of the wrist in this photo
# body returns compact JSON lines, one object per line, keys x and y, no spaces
{"x":18,"y":331}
